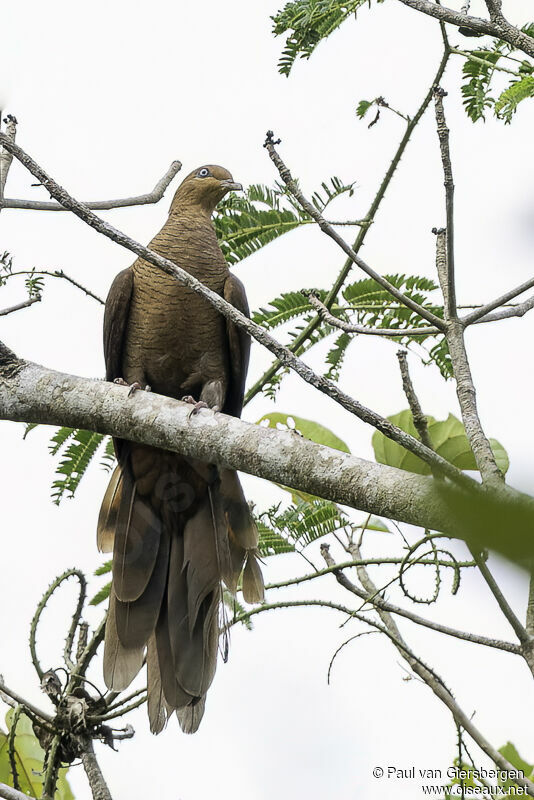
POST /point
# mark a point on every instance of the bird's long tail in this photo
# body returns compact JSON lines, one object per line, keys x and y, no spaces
{"x":177,"y":529}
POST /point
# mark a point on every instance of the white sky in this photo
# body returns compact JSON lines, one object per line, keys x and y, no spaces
{"x":107,"y":95}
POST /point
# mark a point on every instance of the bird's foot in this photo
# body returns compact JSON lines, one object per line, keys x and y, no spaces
{"x":133,"y":386}
{"x":197,"y":406}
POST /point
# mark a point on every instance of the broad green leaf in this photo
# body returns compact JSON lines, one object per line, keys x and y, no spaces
{"x":510,"y":753}
{"x":29,"y":757}
{"x":448,"y":439}
{"x":309,"y":429}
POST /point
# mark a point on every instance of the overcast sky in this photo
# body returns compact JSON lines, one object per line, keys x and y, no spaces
{"x":107,"y":95}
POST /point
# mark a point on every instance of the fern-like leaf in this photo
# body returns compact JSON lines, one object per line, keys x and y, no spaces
{"x":75,"y":460}
{"x":306,"y":23}
{"x":519,"y":90}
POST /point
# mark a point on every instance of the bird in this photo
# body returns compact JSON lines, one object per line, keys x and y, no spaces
{"x":179,"y":529}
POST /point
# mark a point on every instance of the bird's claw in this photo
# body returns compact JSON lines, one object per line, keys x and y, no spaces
{"x":197,"y":406}
{"x":133,"y":386}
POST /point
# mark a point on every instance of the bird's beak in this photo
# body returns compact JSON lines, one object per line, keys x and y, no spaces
{"x":231,"y":186}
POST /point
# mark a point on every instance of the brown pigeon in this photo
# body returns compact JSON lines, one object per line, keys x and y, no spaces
{"x":178,"y":528}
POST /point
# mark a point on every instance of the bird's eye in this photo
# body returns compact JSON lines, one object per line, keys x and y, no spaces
{"x":203,"y":173}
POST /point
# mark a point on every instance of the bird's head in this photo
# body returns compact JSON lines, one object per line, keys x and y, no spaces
{"x":204,"y":187}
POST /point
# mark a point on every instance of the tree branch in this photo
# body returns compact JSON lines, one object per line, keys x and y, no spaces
{"x":29,"y":302}
{"x":443,"y":135}
{"x":99,"y":788}
{"x":432,"y":680}
{"x":5,"y":156}
{"x":7,"y":793}
{"x":476,"y":315}
{"x":369,"y":218}
{"x":379,"y":602}
{"x":500,"y":29}
{"x":143,"y":199}
{"x":32,"y":393}
{"x":56,"y":273}
{"x":310,"y":209}
{"x":286,"y":356}
{"x":465,"y":387}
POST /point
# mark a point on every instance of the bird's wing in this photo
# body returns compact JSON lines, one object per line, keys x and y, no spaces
{"x":238,"y":347}
{"x":115,"y":319}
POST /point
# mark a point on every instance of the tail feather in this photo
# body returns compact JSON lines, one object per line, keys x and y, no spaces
{"x":158,"y":708}
{"x":136,"y":619}
{"x":121,"y":664}
{"x":168,"y":563}
{"x":190,"y":717}
{"x":137,"y":540}
{"x":107,"y":519}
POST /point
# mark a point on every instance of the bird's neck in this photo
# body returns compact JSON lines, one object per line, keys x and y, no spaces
{"x":184,"y":208}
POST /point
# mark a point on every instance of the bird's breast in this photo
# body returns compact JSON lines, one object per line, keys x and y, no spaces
{"x":176,"y":340}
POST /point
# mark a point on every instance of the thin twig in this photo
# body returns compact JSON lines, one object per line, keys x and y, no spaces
{"x":443,"y":135}
{"x":469,"y":319}
{"x":465,"y":388}
{"x":378,"y":602}
{"x":519,"y":630}
{"x":310,"y":209}
{"x":419,"y":419}
{"x":229,"y":311}
{"x":29,"y":302}
{"x":516,"y":310}
{"x":369,"y":218}
{"x":102,"y":205}
{"x":350,"y":327}
{"x":29,"y":708}
{"x":57,"y":273}
{"x":53,"y":763}
{"x":119,"y":712}
{"x":433,"y":681}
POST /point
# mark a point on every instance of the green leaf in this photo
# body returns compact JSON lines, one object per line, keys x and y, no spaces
{"x":29,"y":757}
{"x":363,"y":107}
{"x":246,"y":224}
{"x":271,"y":542}
{"x":306,"y":23}
{"x":510,"y":753}
{"x":448,"y":439}
{"x":305,"y":521}
{"x":519,"y":90}
{"x":309,"y":429}
{"x":101,"y":595}
{"x":77,"y":449}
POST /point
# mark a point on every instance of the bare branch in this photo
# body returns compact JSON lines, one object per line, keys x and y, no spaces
{"x":57,"y":273}
{"x":29,"y":302}
{"x":475,"y":315}
{"x":379,"y":601}
{"x":229,"y":311}
{"x":443,"y":135}
{"x":101,"y":205}
{"x":7,"y":793}
{"x":524,"y":637}
{"x":419,"y":419}
{"x":501,"y":29}
{"x":36,"y":712}
{"x":310,"y":209}
{"x":433,"y":681}
{"x":369,"y":218}
{"x":36,"y":394}
{"x":5,"y":156}
{"x":349,"y":327}
{"x":465,"y":388}
{"x":99,"y":788}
